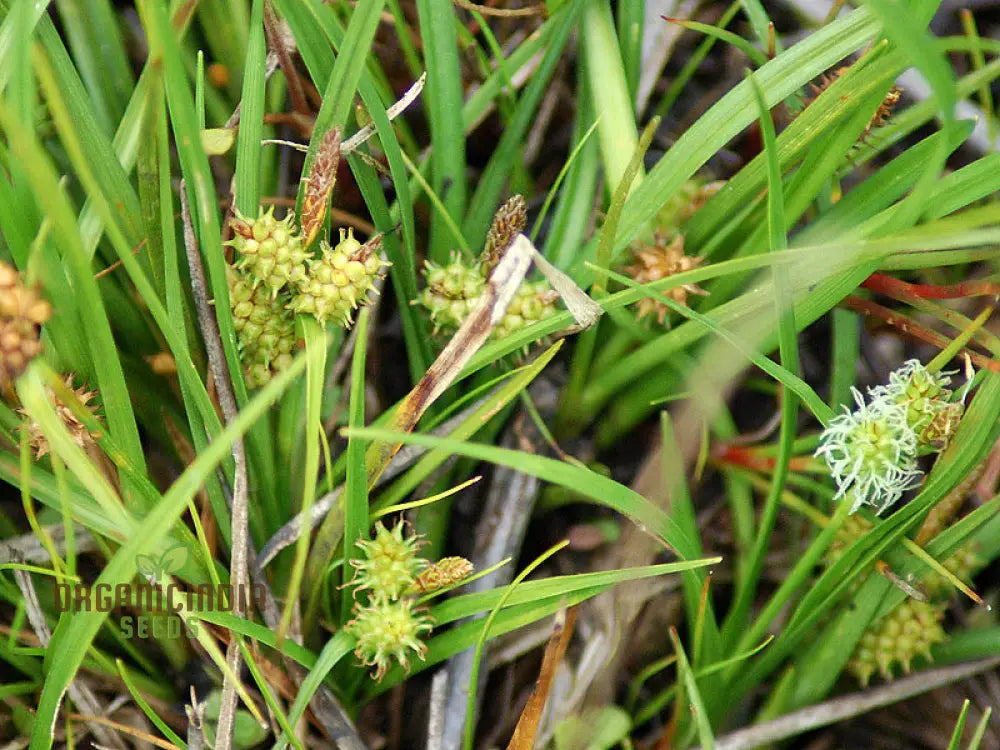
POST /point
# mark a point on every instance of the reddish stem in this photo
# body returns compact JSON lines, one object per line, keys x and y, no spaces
{"x":913,"y":329}
{"x":751,"y":459}
{"x":903,"y":290}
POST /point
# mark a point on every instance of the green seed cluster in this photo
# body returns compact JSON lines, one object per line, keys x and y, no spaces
{"x":533,"y":301}
{"x":908,"y":631}
{"x":270,"y":251}
{"x":387,"y":631}
{"x":454,"y":290}
{"x":265,"y":329}
{"x":339,"y":280}
{"x":911,"y":628}
{"x":390,"y":563}
{"x":872,"y":451}
{"x":685,"y":202}
{"x":274,"y":278}
{"x":389,"y":627}
{"x":930,"y":413}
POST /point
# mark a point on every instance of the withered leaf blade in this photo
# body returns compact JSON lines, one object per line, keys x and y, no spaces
{"x":585,"y":311}
{"x":500,"y":289}
{"x":319,"y":185}
{"x":527,"y":726}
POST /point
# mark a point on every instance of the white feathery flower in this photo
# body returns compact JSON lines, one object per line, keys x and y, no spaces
{"x":871,"y":452}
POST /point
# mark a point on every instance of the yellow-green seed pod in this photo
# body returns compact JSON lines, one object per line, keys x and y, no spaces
{"x":908,"y":631}
{"x":339,"y":280}
{"x":270,"y":251}
{"x":265,"y":329}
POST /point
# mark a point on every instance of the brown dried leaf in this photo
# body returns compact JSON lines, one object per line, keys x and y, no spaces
{"x":527,"y":726}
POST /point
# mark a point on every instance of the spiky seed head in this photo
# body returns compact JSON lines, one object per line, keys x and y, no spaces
{"x":340,"y":280}
{"x":509,"y":221}
{"x":661,"y":260}
{"x":533,"y":301}
{"x":269,"y":250}
{"x":853,"y":528}
{"x":388,"y":631}
{"x":389,"y":564}
{"x":445,"y":572}
{"x":80,"y":434}
{"x":908,"y":631}
{"x":454,"y":290}
{"x":871,"y":453}
{"x":22,"y":313}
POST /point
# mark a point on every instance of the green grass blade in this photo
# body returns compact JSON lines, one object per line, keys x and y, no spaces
{"x":491,"y":183}
{"x":356,"y":511}
{"x":248,"y":138}
{"x":443,"y":98}
{"x":598,"y":488}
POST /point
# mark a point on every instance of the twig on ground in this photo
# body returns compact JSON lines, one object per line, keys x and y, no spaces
{"x":911,"y":328}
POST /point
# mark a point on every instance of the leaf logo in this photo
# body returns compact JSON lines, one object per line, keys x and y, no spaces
{"x":171,"y":561}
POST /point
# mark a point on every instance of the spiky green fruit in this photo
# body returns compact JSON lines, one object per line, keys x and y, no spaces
{"x":908,"y":631}
{"x":265,"y":329}
{"x":387,"y":631}
{"x":685,"y":202}
{"x":339,"y":280}
{"x":454,"y":290}
{"x":451,"y":292}
{"x":269,"y":250}
{"x":389,"y":565}
{"x":926,"y":397}
{"x":533,"y":301}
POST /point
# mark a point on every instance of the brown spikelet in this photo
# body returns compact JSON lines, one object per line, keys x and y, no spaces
{"x":884,"y":111}
{"x":319,"y":186}
{"x":882,"y":114}
{"x":658,"y":261}
{"x":22,"y":312}
{"x":445,"y":572}
{"x":80,"y":434}
{"x":509,"y":221}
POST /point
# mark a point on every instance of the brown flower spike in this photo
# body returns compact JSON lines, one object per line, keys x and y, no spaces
{"x":319,"y":186}
{"x":509,"y":221}
{"x":882,"y":114}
